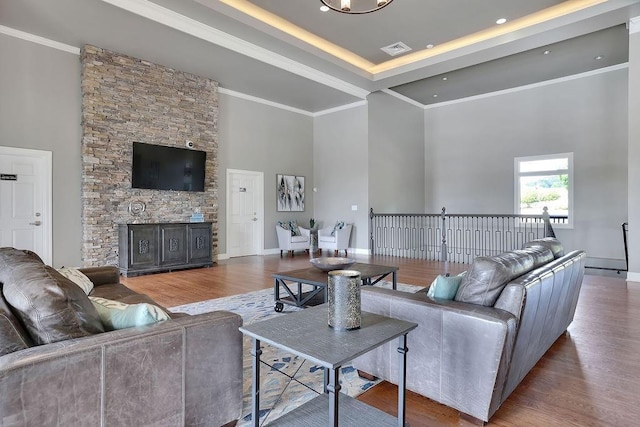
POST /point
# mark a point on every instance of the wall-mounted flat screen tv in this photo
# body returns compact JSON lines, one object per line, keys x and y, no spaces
{"x":158,"y":167}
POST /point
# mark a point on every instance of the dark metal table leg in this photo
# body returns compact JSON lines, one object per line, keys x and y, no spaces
{"x":326,"y":380}
{"x":255,"y":385}
{"x":402,"y":379}
{"x":395,"y":280}
{"x":334,"y":391}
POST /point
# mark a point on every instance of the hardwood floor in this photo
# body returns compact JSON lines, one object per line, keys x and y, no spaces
{"x":589,"y":377}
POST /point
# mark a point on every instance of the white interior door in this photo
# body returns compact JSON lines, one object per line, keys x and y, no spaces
{"x":25,"y":200}
{"x":245,"y":216}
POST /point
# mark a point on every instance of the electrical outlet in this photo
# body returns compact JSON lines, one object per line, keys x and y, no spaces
{"x":354,"y":207}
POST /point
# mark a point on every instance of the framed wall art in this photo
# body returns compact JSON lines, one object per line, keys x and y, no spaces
{"x":290,"y":193}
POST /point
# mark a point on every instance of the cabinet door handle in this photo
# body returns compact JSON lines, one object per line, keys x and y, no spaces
{"x":37,"y":223}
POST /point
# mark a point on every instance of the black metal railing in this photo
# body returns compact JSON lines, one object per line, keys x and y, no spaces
{"x":455,"y":237}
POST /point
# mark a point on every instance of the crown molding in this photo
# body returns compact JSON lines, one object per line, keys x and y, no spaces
{"x":340,"y":108}
{"x":404,"y":98}
{"x":531,"y":86}
{"x":207,"y":33}
{"x":264,"y":101}
{"x":634,"y":25}
{"x":288,"y":107}
{"x":39,"y":40}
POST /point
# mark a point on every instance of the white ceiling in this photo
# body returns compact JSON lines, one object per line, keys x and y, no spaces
{"x":288,"y":52}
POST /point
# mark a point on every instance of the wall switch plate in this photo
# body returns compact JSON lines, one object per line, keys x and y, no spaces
{"x":354,"y":207}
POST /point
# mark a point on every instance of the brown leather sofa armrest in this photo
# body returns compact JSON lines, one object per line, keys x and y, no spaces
{"x":179,"y":372}
{"x":102,"y":275}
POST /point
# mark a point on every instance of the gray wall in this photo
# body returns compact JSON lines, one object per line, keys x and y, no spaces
{"x":471,"y":146}
{"x":369,"y":156}
{"x":354,"y":156}
{"x":396,"y":155}
{"x":340,"y":167}
{"x":40,"y":109}
{"x":258,"y":137}
{"x":634,"y":156}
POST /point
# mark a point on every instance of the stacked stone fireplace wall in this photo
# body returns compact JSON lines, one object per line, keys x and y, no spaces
{"x":127,"y":100}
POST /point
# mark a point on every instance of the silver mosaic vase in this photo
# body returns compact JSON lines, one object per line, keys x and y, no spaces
{"x":344,"y":300}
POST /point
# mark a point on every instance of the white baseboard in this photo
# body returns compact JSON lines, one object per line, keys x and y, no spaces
{"x":221,"y":257}
{"x":634,"y":278}
{"x":360,"y":251}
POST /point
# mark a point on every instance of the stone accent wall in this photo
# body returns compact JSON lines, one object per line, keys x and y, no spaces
{"x":126,"y":99}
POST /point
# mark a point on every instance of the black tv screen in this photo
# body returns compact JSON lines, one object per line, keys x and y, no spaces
{"x":167,"y":168}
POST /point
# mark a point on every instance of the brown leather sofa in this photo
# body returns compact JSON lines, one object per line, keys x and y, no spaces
{"x":472,"y":352}
{"x":182,"y":371}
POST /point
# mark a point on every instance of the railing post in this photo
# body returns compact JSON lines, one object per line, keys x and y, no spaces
{"x":443,"y":246}
{"x":548,"y":228}
{"x":625,"y":229}
{"x":371,"y":246}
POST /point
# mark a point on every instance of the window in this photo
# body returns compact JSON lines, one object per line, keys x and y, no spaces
{"x":545,"y":181}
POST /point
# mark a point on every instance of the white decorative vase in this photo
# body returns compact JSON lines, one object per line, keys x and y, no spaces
{"x":344,"y":300}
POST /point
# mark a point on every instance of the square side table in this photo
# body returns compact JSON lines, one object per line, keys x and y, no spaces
{"x":307,"y":334}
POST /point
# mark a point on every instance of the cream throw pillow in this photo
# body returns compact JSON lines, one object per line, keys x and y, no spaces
{"x":77,"y":277}
{"x":118,"y":315}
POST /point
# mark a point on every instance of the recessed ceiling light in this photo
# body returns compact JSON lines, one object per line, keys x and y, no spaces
{"x":501,"y":21}
{"x":546,"y":52}
{"x":598,"y":58}
{"x":444,"y":78}
{"x":324,"y":8}
{"x":435,"y":95}
{"x":429,"y":46}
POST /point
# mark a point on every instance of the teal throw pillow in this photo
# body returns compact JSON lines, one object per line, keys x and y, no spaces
{"x":445,"y":287}
{"x":118,"y":315}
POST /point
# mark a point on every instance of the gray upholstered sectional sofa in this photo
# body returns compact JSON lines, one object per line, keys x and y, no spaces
{"x":58,"y":367}
{"x":472,"y":352}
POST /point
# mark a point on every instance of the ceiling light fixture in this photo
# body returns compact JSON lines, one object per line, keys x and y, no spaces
{"x":355,"y":7}
{"x":598,"y":58}
{"x":546,"y":52}
{"x":396,"y":49}
{"x":324,"y":8}
{"x":501,"y":21}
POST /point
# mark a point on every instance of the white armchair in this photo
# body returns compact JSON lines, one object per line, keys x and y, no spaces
{"x":290,"y":243}
{"x":338,"y":242}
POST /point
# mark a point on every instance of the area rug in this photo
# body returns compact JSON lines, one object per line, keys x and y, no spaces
{"x":287,"y":381}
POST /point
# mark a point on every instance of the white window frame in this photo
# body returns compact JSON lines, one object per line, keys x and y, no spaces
{"x":517,"y":174}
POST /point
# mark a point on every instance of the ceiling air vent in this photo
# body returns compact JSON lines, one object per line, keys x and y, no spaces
{"x":396,"y":48}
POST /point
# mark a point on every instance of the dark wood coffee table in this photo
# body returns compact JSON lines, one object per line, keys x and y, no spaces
{"x":292,"y":283}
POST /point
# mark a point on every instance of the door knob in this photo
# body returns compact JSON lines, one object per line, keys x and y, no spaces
{"x":36,"y":223}
{"x":254,"y":219}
